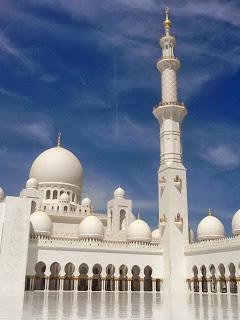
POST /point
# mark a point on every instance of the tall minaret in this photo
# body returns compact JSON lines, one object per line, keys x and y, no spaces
{"x":172,"y":184}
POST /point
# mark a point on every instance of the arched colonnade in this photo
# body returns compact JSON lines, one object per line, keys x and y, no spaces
{"x":81,"y":279}
{"x":215,"y":278}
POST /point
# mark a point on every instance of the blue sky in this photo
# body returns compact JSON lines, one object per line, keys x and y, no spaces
{"x":88,"y":69}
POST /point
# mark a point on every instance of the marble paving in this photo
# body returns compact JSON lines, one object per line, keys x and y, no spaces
{"x":118,"y":305}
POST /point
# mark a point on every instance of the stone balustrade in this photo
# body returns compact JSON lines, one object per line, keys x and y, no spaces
{"x":215,"y":245}
{"x":75,"y":242}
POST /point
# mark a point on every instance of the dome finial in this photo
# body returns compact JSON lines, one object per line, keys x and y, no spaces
{"x":167,"y":21}
{"x":59,"y":140}
{"x":209,"y":212}
{"x":138,"y":216}
{"x":166,"y":13}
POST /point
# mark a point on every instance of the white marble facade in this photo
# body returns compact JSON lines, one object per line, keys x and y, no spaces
{"x":60,"y":242}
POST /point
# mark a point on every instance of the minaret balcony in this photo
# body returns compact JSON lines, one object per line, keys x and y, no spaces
{"x":169,"y":103}
{"x":170,"y":110}
{"x":168,"y":62}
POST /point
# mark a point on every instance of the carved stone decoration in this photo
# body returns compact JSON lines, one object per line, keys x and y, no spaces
{"x":162,"y":224}
{"x":178,"y":183}
{"x":179,"y":222}
{"x":163,"y":219}
{"x":162,"y":183}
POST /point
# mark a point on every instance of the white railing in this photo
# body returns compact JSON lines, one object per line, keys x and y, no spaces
{"x":214,"y":244}
{"x":74,"y":242}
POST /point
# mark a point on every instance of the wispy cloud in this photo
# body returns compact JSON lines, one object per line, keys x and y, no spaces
{"x":227,"y":11}
{"x":12,"y":159}
{"x":39,"y":131}
{"x":12,"y":94}
{"x":6,"y":46}
{"x":125,"y":133}
{"x":222,"y":155}
{"x":217,"y":144}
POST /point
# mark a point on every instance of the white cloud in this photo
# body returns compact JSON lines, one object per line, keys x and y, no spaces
{"x":39,"y":131}
{"x":228,"y":11}
{"x":11,"y":94}
{"x":6,"y":46}
{"x":123,"y":133}
{"x":222,"y":155}
{"x":12,"y":159}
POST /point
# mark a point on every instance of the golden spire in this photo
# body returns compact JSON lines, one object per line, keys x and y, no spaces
{"x":59,"y":140}
{"x":167,"y":21}
{"x":209,"y":212}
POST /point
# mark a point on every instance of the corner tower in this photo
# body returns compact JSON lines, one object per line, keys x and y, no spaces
{"x":172,"y":184}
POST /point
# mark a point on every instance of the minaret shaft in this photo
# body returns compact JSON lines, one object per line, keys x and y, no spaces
{"x":172,"y":182}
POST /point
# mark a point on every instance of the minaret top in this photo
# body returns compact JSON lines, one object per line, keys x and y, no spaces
{"x":59,"y":140}
{"x":167,"y":21}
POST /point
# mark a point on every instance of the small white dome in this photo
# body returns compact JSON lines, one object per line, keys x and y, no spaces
{"x":32,"y":183}
{"x":40,"y":223}
{"x":209,"y":228}
{"x":138,"y":230}
{"x":236,"y":223}
{"x":156,"y":235}
{"x":64,"y":197}
{"x":119,"y":193}
{"x":191,"y":235}
{"x":86,"y":202}
{"x":2,"y":194}
{"x":91,"y":227}
{"x":57,"y":165}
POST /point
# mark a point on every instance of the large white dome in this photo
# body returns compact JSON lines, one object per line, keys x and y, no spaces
{"x":138,"y":230}
{"x":57,"y":165}
{"x":210,"y":228}
{"x":156,"y":235}
{"x":236,"y":223}
{"x":91,"y":227}
{"x":40,"y":223}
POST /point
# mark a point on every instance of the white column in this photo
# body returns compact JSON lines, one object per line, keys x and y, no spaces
{"x":103,"y":284}
{"x":154,"y":285}
{"x":129,"y":284}
{"x":141,"y":284}
{"x":46,"y":284}
{"x":89,"y":284}
{"x":61,"y":284}
{"x":75,"y":284}
{"x":31,"y":285}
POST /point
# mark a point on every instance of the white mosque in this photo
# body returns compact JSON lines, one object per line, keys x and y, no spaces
{"x":52,"y":239}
